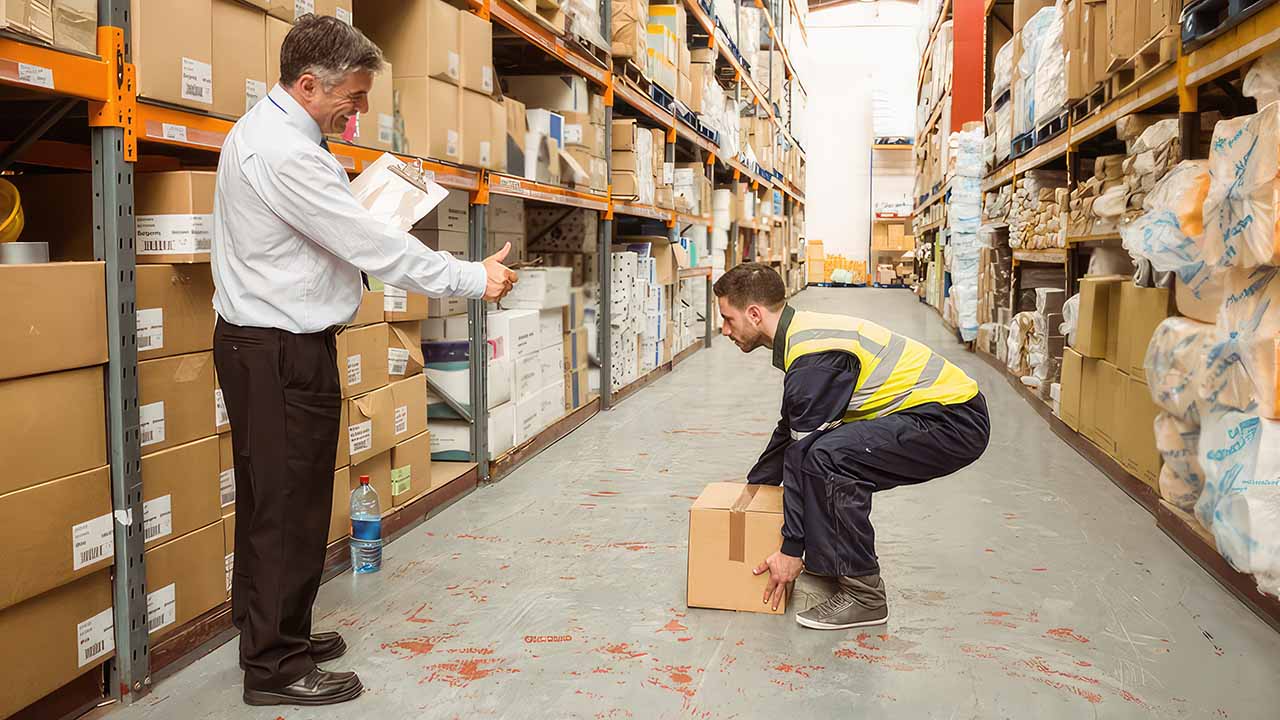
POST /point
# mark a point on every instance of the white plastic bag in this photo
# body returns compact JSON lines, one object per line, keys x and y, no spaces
{"x":1051,"y":68}
{"x":1176,"y":364}
{"x":1262,"y":82}
{"x":1241,"y":360}
{"x":1171,"y":232}
{"x":1070,"y":318}
{"x":1002,"y":70}
{"x":1181,"y":478}
{"x":1240,"y":503}
{"x":1240,"y":209}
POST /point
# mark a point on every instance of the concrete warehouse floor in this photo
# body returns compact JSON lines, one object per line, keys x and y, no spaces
{"x":1026,"y":586}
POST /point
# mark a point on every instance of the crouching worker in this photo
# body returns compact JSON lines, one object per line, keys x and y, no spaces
{"x":863,"y":410}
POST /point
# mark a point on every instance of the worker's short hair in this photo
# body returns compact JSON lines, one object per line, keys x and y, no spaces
{"x":752,"y":284}
{"x":328,"y":48}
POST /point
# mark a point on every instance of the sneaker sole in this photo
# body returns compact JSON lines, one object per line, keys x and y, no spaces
{"x":259,"y":698}
{"x":817,"y":625}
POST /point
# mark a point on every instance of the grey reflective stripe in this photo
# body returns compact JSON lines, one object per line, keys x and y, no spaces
{"x":928,"y":376}
{"x":829,"y":333}
{"x":881,"y":374}
{"x":797,"y":435}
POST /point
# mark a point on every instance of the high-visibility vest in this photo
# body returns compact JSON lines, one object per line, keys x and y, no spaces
{"x":896,"y":372}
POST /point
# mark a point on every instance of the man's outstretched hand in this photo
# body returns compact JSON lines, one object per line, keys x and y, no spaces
{"x":783,"y":570}
{"x":499,"y":279}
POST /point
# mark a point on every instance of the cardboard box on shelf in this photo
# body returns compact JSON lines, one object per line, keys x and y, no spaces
{"x":629,"y":29}
{"x":446,"y":307}
{"x":75,"y":25}
{"x":528,"y":418}
{"x":577,"y":389}
{"x":28,"y":17}
{"x":540,"y":288}
{"x":175,"y":401}
{"x":174,"y":216}
{"x":1097,"y":296}
{"x":475,"y":40}
{"x":59,"y":531}
{"x":186,"y":577}
{"x":457,"y":327}
{"x":452,"y":214}
{"x":54,"y":312}
{"x":527,"y":378}
{"x":52,"y":639}
{"x":239,"y":57}
{"x":515,"y":331}
{"x":552,"y":401}
{"x":1105,"y":403}
{"x":377,"y":128}
{"x":180,"y":491}
{"x":403,"y":305}
{"x":229,"y":548}
{"x":1121,"y":23}
{"x":517,"y":130}
{"x":339,"y":515}
{"x":409,"y":398}
{"x":419,"y":36}
{"x":1136,"y":441}
{"x":227,"y":475}
{"x":550,"y":327}
{"x":362,"y":359}
{"x":404,"y":350}
{"x":343,"y":456}
{"x":575,"y":351}
{"x":372,"y":304}
{"x":574,"y":314}
{"x":173,"y":51}
{"x":175,"y":310}
{"x":731,"y":527}
{"x":430,"y":109}
{"x":276,"y":30}
{"x":498,"y":134}
{"x":1070,"y":388}
{"x":66,"y":436}
{"x":378,"y":468}
{"x":410,"y":469}
{"x":559,"y":93}
{"x":453,"y":242}
{"x":1141,"y":310}
{"x":371,"y":424}
{"x":477,"y":132}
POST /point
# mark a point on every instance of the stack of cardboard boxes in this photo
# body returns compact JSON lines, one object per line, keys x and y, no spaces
{"x":666,"y":46}
{"x":633,"y":161}
{"x":630,"y":37}
{"x":576,"y":357}
{"x":1104,"y":395}
{"x":68,"y":24}
{"x":564,"y":120}
{"x":55,"y":495}
{"x":531,"y":328}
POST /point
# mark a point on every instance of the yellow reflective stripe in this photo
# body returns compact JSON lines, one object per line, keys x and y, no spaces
{"x":881,"y":373}
{"x":928,"y":376}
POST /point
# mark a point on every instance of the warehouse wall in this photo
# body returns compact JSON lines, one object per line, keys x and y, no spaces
{"x":857,"y":49}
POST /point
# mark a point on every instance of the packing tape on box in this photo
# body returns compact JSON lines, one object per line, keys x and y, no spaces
{"x":414,"y":349}
{"x":738,"y":523}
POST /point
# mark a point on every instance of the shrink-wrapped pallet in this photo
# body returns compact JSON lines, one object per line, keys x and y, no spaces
{"x":1181,"y":478}
{"x":1240,"y":209}
{"x":1176,"y":365}
{"x":1241,"y":360}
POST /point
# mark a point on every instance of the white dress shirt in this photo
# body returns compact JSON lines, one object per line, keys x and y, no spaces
{"x":290,"y":240}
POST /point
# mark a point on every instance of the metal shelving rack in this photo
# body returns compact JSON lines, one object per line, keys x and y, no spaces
{"x":125,"y":129}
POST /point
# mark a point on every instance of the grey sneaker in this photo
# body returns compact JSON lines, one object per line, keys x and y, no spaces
{"x":858,"y":602}
{"x":811,"y":590}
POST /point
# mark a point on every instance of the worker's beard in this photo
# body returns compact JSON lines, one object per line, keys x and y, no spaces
{"x":749,"y":344}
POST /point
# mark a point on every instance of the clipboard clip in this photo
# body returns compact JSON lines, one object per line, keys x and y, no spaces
{"x":415,"y":174}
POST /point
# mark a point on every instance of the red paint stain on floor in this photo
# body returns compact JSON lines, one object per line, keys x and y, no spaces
{"x":680,"y":678}
{"x":504,"y":567}
{"x":416,"y":617}
{"x":632,"y":546}
{"x":413,"y":647}
{"x":1084,"y":663}
{"x":602,"y":494}
{"x":1040,"y":666}
{"x":801,"y":670}
{"x":461,"y":673}
{"x":470,"y":651}
{"x":622,"y":649}
{"x":989,"y":550}
{"x":673,"y":626}
{"x":624,"y":470}
{"x":1130,"y":697}
{"x":539,"y":639}
{"x":483,"y":538}
{"x":1090,"y":696}
{"x":587,"y":505}
{"x":1067,"y":634}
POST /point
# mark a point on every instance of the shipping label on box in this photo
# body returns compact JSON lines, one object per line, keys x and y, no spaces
{"x":732,"y":529}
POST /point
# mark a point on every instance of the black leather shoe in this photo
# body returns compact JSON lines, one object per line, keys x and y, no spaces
{"x":317,"y":687}
{"x":325,"y":646}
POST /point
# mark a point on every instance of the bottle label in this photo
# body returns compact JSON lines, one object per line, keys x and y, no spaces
{"x":366,"y":529}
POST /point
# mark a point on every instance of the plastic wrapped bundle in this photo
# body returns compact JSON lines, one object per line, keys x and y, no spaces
{"x":1021,"y":338}
{"x":1240,"y":210}
{"x":1051,"y":69}
{"x":1241,"y":361}
{"x":1004,"y":131}
{"x":1176,"y":365}
{"x":1240,"y":504}
{"x":1171,"y":232}
{"x":1070,"y":318}
{"x":1181,"y":478}
{"x":1002,"y":70}
{"x":1262,"y":82}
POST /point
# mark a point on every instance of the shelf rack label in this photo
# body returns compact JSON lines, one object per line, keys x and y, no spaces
{"x":35,"y":75}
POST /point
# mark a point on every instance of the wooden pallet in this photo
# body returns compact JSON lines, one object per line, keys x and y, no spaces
{"x":1153,"y":57}
{"x":632,"y":75}
{"x":1203,"y":21}
{"x":1091,"y":103}
{"x":1053,"y":128}
{"x":1022,"y":144}
{"x":552,"y":18}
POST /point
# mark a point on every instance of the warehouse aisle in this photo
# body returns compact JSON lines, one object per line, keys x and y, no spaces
{"x":1026,"y":586}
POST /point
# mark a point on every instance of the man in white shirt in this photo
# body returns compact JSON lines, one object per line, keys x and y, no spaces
{"x":289,"y":244}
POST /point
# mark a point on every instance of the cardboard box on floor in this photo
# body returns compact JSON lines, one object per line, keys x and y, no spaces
{"x":732,"y":528}
{"x":1097,"y":331}
{"x":1136,"y":442}
{"x":173,"y":51}
{"x":56,"y":532}
{"x":56,"y":314}
{"x":52,"y":639}
{"x":1141,"y":310}
{"x":53,"y":426}
{"x":175,"y":310}
{"x":1070,"y":388}
{"x":410,"y":469}
{"x":339,"y":515}
{"x":186,"y":577}
{"x":1101,"y":403}
{"x":175,"y":401}
{"x":180,"y":490}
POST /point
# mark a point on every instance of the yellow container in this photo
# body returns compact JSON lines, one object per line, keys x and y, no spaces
{"x":11,"y":219}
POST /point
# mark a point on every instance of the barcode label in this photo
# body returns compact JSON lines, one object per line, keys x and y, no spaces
{"x":397,"y":361}
{"x":394,"y":299}
{"x":344,"y":15}
{"x":95,"y":637}
{"x":402,"y":419}
{"x":451,"y":147}
{"x":668,"y":173}
{"x":91,"y":541}
{"x":150,"y":329}
{"x":485,"y":152}
{"x":401,"y":479}
{"x":151,"y":423}
{"x":35,"y":75}
{"x":170,"y":131}
{"x":386,"y":128}
{"x":254,"y":92}
{"x":157,"y":518}
{"x":230,"y":562}
{"x":361,"y":437}
{"x":162,"y":607}
{"x":161,"y":234}
{"x":573,"y":134}
{"x":227,"y":486}
{"x":197,"y":81}
{"x":302,"y":7}
{"x":354,"y":371}
{"x":486,"y":79}
{"x":454,"y":64}
{"x":220,"y":417}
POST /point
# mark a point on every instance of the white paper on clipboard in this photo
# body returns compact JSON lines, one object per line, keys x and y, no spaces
{"x":393,"y":198}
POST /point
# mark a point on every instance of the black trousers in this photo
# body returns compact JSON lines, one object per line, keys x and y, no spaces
{"x":284,"y":403}
{"x":846,"y":465}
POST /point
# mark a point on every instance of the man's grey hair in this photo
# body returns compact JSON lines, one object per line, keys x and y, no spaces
{"x":327,"y":48}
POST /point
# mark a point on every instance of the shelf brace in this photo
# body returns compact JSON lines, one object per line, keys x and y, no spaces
{"x":53,"y":112}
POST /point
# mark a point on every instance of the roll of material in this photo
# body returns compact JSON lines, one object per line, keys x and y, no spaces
{"x":24,"y":253}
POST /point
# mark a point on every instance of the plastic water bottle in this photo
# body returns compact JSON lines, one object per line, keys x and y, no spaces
{"x":366,"y":529}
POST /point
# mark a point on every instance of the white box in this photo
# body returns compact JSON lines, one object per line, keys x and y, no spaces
{"x":450,"y":440}
{"x":455,"y":327}
{"x":541,"y":288}
{"x":551,"y":359}
{"x":528,"y":377}
{"x":552,"y":401}
{"x":502,"y":429}
{"x":545,"y":122}
{"x":516,"y":332}
{"x":528,"y":418}
{"x":565,"y":93}
{"x":551,"y":327}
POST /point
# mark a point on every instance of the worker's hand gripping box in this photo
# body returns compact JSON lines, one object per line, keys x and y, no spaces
{"x":733,"y":528}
